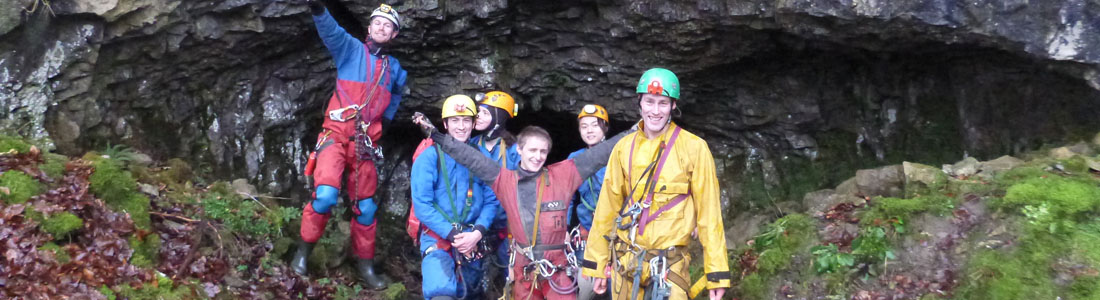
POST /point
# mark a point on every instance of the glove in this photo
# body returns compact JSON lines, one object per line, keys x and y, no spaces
{"x":425,"y":125}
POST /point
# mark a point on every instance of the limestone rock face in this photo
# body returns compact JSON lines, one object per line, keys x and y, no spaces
{"x":239,"y":85}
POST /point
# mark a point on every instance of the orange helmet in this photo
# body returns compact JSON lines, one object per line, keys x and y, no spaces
{"x":501,"y":100}
{"x":594,"y":110}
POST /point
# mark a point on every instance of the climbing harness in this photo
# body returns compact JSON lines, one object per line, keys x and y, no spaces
{"x":311,"y":163}
{"x":634,"y":217}
{"x":541,"y":268}
{"x":364,"y":145}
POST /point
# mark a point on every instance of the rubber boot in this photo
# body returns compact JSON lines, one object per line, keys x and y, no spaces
{"x":366,"y":271}
{"x":301,"y":257}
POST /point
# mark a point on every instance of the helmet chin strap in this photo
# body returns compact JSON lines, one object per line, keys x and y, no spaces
{"x":492,"y":132}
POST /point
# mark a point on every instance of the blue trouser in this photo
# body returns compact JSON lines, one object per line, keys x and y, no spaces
{"x":438,"y":268}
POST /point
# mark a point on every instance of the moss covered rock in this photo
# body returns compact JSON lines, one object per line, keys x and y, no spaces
{"x":18,"y":187}
{"x":118,"y":188}
{"x":9,"y":143}
{"x":61,"y":224}
{"x":55,"y":165}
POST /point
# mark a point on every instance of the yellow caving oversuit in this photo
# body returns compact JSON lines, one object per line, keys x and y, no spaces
{"x":684,"y":197}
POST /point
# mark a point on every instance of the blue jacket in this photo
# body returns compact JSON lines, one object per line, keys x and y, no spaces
{"x":512,"y":155}
{"x":352,"y":60}
{"x":428,"y":188}
{"x":589,"y":193}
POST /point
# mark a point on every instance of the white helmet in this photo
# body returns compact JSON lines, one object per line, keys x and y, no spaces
{"x":389,"y":13}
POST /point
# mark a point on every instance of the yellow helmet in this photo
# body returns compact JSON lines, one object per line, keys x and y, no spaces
{"x":501,"y":100}
{"x":458,"y":105}
{"x":593,"y":110}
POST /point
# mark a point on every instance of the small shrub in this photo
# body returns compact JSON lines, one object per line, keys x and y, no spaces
{"x":872,"y":246}
{"x":829,"y":259}
{"x":119,"y":153}
{"x":777,"y":244}
{"x":248,"y":216}
{"x":20,"y":187}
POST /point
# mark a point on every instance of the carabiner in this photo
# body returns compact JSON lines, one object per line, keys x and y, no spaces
{"x":338,"y":114}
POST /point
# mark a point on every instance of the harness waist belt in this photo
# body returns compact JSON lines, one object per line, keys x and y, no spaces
{"x":543,"y":247}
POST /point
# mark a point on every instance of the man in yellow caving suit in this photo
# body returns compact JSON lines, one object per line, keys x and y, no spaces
{"x":660,"y":186}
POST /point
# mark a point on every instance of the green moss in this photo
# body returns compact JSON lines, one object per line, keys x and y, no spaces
{"x":107,"y":292}
{"x":1075,"y":164}
{"x":59,"y":253}
{"x":885,"y":209}
{"x":778,"y":243}
{"x":1018,"y":274}
{"x":1020,"y":174}
{"x":1085,"y":288}
{"x":111,"y":183}
{"x":247,"y":216}
{"x":145,"y":250}
{"x":20,"y":187}
{"x":61,"y":224}
{"x":118,"y":189}
{"x":8,"y":143}
{"x":1053,"y":203}
{"x":162,"y":289}
{"x":55,"y":165}
{"x":1064,"y":195}
{"x":137,"y":205}
{"x":756,"y":286}
{"x":970,"y":186}
{"x":178,"y":171}
{"x":1084,"y":243}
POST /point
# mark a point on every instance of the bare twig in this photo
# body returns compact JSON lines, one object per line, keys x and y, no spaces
{"x":171,"y":216}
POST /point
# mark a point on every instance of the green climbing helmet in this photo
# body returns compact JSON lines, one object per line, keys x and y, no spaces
{"x":660,"y":82}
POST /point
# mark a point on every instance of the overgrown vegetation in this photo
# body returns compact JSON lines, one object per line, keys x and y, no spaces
{"x":771,"y":253}
{"x":17,"y":187}
{"x":247,"y":216}
{"x":91,"y":220}
{"x":1059,"y":204}
{"x":894,"y":211}
{"x":118,"y":188}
